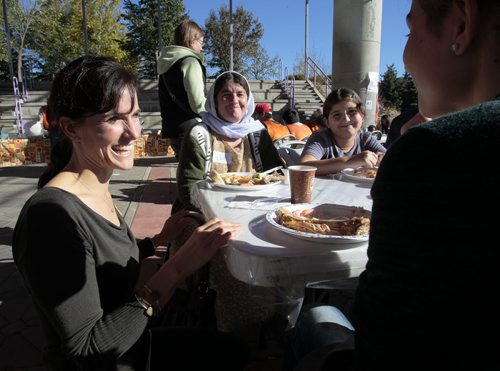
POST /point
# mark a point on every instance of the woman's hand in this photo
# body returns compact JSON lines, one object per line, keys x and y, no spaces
{"x":203,"y":244}
{"x":172,"y":227}
{"x":196,"y":252}
{"x":364,"y":159}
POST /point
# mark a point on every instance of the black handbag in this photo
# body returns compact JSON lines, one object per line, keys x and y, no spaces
{"x":193,"y":307}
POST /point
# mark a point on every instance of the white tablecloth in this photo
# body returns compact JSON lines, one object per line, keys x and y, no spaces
{"x":264,"y":256}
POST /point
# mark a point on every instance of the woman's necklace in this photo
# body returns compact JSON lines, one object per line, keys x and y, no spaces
{"x":112,"y":209}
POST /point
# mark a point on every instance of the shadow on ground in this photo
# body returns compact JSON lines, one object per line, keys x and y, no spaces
{"x":148,"y":161}
{"x":24,"y":171}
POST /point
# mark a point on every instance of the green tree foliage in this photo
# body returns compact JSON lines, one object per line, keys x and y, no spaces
{"x":143,"y":37}
{"x":47,"y":34}
{"x":60,"y":27}
{"x":409,"y":95}
{"x":260,"y":66}
{"x":21,"y":16}
{"x":248,"y":32}
{"x":396,"y":92}
{"x":4,"y":58}
{"x":389,"y":89}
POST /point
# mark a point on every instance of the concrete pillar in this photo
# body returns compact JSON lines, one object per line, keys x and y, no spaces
{"x":357,"y":28}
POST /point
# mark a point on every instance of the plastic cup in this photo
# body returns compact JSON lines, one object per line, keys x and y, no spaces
{"x":301,"y":183}
{"x":286,"y":174}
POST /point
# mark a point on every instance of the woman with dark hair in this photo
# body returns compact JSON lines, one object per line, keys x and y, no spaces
{"x":343,"y":145}
{"x":83,"y":276}
{"x":427,"y":299}
{"x":181,"y":85}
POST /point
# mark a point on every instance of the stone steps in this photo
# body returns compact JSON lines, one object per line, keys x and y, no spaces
{"x":264,"y":91}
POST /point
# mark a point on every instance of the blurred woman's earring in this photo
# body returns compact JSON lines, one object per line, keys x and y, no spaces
{"x":454,"y":48}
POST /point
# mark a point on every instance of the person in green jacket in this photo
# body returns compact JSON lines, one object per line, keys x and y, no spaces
{"x":227,"y":140}
{"x":181,"y":85}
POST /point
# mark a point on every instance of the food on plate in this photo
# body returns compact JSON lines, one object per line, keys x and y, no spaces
{"x":364,"y":172}
{"x":308,"y":220}
{"x":250,"y":179}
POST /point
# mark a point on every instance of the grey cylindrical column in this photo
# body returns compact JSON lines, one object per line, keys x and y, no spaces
{"x":357,"y":28}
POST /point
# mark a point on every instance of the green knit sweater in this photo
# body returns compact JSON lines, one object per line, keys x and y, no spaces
{"x":427,"y":297}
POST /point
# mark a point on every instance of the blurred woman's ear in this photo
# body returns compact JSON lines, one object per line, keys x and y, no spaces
{"x":465,"y":15}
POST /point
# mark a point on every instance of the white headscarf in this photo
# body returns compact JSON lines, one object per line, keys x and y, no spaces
{"x":230,"y":129}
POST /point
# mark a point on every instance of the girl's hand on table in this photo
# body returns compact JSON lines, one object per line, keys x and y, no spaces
{"x":363,"y":159}
{"x":380,"y":156}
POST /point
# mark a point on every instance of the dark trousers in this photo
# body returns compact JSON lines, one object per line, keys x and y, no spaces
{"x":189,"y":349}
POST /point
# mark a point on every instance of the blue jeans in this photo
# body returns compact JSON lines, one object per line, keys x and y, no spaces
{"x":321,"y":330}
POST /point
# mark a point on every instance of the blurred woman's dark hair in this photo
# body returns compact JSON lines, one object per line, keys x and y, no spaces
{"x":85,"y":87}
{"x":340,"y":95}
{"x":437,"y":10}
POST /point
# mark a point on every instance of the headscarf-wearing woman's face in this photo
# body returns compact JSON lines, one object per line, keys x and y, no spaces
{"x":232,"y":101}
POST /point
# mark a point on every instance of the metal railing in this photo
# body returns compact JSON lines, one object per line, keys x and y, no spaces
{"x":18,"y":108}
{"x":324,"y":86}
{"x":289,"y":87}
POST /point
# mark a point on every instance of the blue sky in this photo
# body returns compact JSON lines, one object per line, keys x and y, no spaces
{"x":284,"y":28}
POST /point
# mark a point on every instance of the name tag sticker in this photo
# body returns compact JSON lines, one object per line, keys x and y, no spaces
{"x":222,"y":157}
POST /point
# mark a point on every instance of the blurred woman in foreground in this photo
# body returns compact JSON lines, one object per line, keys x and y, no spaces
{"x":427,"y":298}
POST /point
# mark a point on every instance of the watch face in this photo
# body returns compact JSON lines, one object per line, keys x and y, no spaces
{"x":149,"y":311}
{"x":145,"y":297}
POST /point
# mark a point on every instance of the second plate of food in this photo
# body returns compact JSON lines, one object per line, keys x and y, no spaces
{"x":324,"y":223}
{"x":361,"y":174}
{"x":243,"y":181}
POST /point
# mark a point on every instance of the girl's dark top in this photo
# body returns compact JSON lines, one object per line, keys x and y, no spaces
{"x":427,"y":299}
{"x":81,"y":271}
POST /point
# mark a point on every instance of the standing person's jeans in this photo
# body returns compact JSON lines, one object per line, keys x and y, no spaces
{"x":319,"y":331}
{"x":175,"y":143}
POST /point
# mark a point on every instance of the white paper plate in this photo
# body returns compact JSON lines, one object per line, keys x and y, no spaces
{"x":349,"y":174}
{"x":334,"y":211}
{"x":257,"y":187}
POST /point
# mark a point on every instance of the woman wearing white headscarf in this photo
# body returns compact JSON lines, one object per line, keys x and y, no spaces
{"x":227,"y":140}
